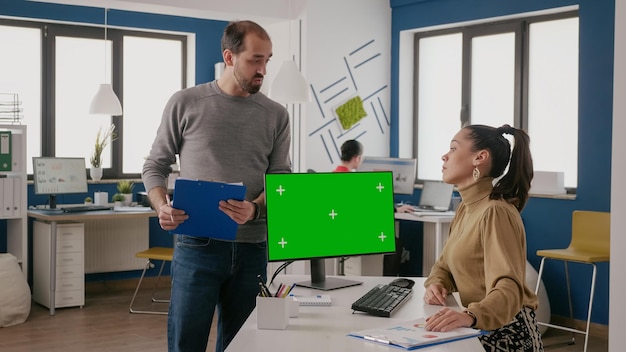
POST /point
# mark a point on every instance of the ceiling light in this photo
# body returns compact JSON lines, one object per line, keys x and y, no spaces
{"x":105,"y":102}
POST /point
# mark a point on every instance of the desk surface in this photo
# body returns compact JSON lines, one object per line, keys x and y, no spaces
{"x":48,"y":215}
{"x":320,"y":328}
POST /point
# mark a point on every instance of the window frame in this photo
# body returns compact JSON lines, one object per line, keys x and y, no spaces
{"x":49,"y":32}
{"x":521,"y":76}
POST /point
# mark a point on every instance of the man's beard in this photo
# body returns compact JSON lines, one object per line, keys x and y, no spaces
{"x":246,"y":84}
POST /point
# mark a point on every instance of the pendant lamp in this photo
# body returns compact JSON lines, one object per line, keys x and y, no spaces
{"x":289,"y":86}
{"x":105,"y":102}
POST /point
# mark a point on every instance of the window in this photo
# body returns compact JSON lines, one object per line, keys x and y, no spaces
{"x":67,"y":63}
{"x":20,"y":72}
{"x":520,"y":72}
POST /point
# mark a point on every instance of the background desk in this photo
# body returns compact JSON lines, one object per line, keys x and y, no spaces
{"x":111,"y":240}
{"x":441,"y":224}
{"x":321,"y":328}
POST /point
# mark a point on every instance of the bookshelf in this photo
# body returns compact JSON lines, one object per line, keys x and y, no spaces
{"x":13,"y":190}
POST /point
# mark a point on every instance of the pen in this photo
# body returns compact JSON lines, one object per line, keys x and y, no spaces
{"x":169,"y":203}
{"x":290,"y":289}
{"x":261,"y":292}
{"x":264,"y":288}
{"x":280,"y":288}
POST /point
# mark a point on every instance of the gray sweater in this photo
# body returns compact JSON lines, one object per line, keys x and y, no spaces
{"x":220,"y":137}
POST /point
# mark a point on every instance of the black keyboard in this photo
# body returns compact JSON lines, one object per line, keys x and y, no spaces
{"x":81,"y":208}
{"x":382,"y":300}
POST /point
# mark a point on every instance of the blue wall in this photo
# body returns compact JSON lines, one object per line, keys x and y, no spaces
{"x":548,"y":221}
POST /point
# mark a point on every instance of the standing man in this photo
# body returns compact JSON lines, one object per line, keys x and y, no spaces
{"x":222,"y":130}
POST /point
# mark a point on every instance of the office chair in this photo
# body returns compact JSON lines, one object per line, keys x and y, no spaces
{"x":590,"y":244}
{"x":163,"y":254}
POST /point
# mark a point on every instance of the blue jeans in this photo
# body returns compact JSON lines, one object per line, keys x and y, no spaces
{"x":208,"y":273}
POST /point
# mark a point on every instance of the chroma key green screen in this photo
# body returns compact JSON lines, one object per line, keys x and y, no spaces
{"x":320,"y":215}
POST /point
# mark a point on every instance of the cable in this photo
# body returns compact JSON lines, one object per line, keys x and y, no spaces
{"x":279,"y":269}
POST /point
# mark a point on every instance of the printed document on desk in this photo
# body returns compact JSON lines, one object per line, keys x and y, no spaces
{"x":412,"y":335}
{"x":200,"y":200}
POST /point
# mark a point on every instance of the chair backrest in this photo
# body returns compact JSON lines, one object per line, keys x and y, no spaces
{"x":591,"y":231}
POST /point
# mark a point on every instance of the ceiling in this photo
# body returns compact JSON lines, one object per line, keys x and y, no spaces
{"x":226,"y":10}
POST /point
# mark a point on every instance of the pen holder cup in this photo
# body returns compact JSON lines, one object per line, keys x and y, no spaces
{"x":294,"y":306}
{"x":272,"y":313}
{"x":100,"y":198}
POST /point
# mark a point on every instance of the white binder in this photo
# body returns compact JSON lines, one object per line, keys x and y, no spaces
{"x":17,"y":197}
{"x":7,"y":198}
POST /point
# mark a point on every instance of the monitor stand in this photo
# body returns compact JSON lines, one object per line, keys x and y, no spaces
{"x":52,"y":201}
{"x":321,"y":282}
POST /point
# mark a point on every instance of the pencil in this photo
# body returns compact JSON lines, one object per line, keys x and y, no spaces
{"x":285,"y":291}
{"x":280,"y":287}
{"x":290,"y":289}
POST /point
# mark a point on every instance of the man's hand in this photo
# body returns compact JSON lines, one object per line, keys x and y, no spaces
{"x":240,"y":211}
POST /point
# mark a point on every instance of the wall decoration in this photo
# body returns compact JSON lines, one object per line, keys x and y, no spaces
{"x":350,"y":112}
{"x":351,"y":105}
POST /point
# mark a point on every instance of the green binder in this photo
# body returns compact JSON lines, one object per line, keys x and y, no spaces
{"x":5,"y":151}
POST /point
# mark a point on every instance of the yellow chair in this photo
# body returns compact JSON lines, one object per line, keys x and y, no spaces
{"x":590,"y":244}
{"x":163,"y":254}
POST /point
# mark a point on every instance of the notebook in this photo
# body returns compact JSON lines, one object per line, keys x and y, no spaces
{"x":436,"y":196}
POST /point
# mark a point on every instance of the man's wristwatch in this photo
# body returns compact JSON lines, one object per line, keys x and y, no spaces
{"x":257,"y":211}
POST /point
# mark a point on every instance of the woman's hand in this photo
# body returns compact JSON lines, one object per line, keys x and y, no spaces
{"x":436,"y":294}
{"x":447,"y":319}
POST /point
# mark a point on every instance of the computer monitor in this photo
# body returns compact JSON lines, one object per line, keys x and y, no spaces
{"x":329,"y":215}
{"x":403,"y":170}
{"x":54,"y":176}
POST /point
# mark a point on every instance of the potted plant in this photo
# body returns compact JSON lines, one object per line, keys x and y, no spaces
{"x":103,"y":138}
{"x":118,"y":199}
{"x":88,"y":200}
{"x":125,"y":187}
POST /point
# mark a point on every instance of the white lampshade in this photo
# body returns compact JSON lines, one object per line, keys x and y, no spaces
{"x":289,"y":86}
{"x":105,"y":102}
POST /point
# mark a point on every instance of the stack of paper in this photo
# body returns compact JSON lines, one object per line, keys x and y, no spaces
{"x":317,"y":300}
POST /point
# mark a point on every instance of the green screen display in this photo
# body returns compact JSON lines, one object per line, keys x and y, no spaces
{"x":320,"y":215}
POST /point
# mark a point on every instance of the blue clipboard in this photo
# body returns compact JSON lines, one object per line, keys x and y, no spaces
{"x":200,"y":200}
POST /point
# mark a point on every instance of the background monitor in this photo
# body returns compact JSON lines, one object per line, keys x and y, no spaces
{"x":403,"y":170}
{"x":54,"y":176}
{"x":328,"y":215}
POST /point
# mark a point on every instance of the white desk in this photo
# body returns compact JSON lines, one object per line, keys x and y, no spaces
{"x":326,"y":328}
{"x":439,"y":220}
{"x":54,"y":217}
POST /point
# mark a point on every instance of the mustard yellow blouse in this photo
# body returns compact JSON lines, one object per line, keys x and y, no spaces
{"x":484,"y":259}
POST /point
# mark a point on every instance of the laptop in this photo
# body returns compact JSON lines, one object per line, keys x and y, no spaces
{"x":436,"y":196}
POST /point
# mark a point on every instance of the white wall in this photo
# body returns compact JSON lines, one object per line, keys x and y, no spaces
{"x":617,"y":280}
{"x":346,"y":33}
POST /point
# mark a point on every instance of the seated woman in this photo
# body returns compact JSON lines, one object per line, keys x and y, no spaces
{"x":484,"y":258}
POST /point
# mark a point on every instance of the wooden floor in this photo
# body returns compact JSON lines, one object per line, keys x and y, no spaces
{"x":105,"y":324}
